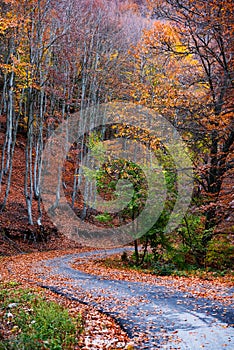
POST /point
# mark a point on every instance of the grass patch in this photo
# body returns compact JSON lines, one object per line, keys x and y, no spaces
{"x":28,"y":321}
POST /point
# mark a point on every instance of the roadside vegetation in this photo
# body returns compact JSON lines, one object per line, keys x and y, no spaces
{"x":28,"y":321}
{"x":165,"y":266}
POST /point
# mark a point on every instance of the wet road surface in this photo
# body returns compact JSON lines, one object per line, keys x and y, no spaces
{"x":157,"y":316}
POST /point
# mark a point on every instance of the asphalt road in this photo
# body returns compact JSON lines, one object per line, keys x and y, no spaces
{"x":157,"y":317}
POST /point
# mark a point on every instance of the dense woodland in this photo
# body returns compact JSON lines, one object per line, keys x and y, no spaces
{"x":172,"y":56}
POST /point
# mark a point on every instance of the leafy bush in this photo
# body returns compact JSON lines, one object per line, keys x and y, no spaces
{"x":220,"y":253}
{"x":164,"y":269}
{"x":105,"y":217}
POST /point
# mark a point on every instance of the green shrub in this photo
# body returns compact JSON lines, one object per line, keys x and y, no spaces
{"x":105,"y":217}
{"x":220,"y":253}
{"x":164,"y":269}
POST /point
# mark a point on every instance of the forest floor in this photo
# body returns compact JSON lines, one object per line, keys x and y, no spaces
{"x":98,"y":327}
{"x":125,"y":309}
{"x":24,"y":247}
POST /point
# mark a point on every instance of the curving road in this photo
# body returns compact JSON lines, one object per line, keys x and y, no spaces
{"x":156,"y":317}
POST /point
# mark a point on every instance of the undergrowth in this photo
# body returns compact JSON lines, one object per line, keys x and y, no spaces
{"x":28,"y":321}
{"x":164,"y":267}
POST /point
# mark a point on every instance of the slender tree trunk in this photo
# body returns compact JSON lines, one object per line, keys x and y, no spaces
{"x":136,"y":251}
{"x":28,"y":182}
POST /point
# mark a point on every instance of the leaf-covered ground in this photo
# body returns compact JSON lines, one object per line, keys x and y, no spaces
{"x":156,"y":313}
{"x":206,"y":286}
{"x":124,"y":297}
{"x":100,"y":330}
